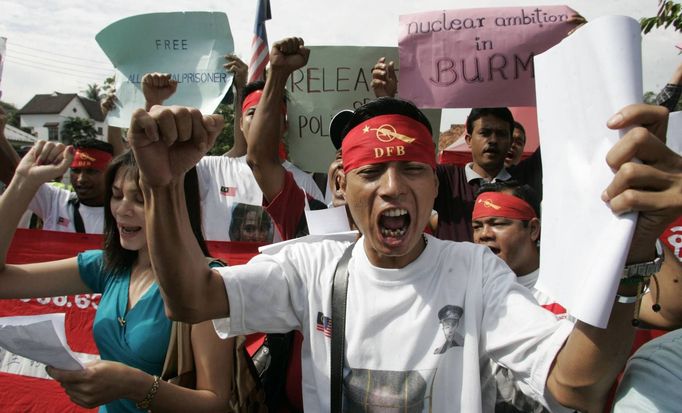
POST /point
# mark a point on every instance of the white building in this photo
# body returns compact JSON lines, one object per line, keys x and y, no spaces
{"x":45,"y":114}
{"x":18,"y":137}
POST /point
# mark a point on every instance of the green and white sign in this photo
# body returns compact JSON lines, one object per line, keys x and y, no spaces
{"x":189,"y":45}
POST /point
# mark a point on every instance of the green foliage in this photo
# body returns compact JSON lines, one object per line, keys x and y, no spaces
{"x":75,"y":129}
{"x":108,"y":85}
{"x":93,"y":92}
{"x":669,"y":14}
{"x":11,"y":112}
{"x":96,"y":92}
{"x":226,"y":138}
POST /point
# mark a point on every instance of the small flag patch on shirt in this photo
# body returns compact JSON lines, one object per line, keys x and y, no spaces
{"x":63,"y":222}
{"x":228,"y":190}
{"x":324,"y":324}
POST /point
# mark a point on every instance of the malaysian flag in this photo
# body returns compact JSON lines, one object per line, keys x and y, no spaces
{"x":259,"y":44}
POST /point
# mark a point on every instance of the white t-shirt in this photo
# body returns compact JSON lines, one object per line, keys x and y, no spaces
{"x":499,"y":384}
{"x":51,"y":204}
{"x":545,"y":301}
{"x":304,"y":181}
{"x":225,"y":182}
{"x":395,"y":353}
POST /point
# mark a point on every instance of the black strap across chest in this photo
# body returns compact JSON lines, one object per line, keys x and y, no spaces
{"x":339,"y":299}
{"x":77,"y":219}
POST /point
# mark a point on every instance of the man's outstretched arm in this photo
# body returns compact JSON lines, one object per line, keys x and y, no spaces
{"x":265,"y":133}
{"x":167,"y":142}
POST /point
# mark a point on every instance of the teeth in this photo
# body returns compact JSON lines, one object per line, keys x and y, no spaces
{"x":395,"y":212}
{"x":393,"y":232}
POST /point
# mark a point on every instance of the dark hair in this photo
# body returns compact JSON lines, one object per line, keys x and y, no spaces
{"x":525,"y":192}
{"x":239,"y":213}
{"x":337,"y":126}
{"x":517,"y":125}
{"x":385,"y":106}
{"x":91,"y":143}
{"x":117,"y":258}
{"x":500,"y":113}
{"x":254,"y":86}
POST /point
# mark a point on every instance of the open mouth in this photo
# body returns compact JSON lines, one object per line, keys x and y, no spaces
{"x":495,"y":250}
{"x":129,"y":230}
{"x":393,"y":223}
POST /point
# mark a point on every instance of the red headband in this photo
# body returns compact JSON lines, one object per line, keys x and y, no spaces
{"x":91,"y":158}
{"x":387,"y":138}
{"x":499,"y":204}
{"x":253,"y":98}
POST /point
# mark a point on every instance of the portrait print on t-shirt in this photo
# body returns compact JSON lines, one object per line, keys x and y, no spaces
{"x":381,"y":391}
{"x":250,"y":223}
{"x":449,"y":317}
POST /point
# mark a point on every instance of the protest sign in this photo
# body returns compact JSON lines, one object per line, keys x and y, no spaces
{"x":582,"y":272}
{"x":476,"y":57}
{"x":189,"y":45}
{"x":335,"y":78}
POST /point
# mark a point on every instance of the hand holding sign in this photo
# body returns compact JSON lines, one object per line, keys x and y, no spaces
{"x":100,"y":382}
{"x":239,"y":70}
{"x":652,"y":186}
{"x":384,"y":79}
{"x":168,"y":141}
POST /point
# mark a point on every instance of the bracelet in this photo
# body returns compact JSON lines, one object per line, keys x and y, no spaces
{"x":144,"y":403}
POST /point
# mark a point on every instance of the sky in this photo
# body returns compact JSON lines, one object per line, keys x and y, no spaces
{"x":51,"y":44}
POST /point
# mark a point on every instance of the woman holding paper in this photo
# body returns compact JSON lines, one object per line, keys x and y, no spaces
{"x":131,"y":329}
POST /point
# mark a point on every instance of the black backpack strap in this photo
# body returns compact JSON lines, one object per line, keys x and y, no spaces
{"x":77,"y":219}
{"x":339,"y":299}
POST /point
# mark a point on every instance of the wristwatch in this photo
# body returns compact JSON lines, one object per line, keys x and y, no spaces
{"x":645,"y":269}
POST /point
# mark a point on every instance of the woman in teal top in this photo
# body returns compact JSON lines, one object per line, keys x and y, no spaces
{"x":130,"y":329}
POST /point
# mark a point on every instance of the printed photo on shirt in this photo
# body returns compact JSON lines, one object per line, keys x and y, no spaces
{"x":380,"y":391}
{"x":250,"y":223}
{"x":449,"y":317}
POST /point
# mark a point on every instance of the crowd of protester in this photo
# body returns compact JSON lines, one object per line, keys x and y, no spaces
{"x":446,"y":319}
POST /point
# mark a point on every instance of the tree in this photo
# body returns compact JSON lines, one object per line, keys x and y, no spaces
{"x":108,"y":86}
{"x":225,"y":140}
{"x":93,"y":92}
{"x":75,"y":129}
{"x":11,"y":111}
{"x":669,"y":13}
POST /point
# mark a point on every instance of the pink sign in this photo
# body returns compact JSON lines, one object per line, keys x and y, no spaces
{"x":476,"y":57}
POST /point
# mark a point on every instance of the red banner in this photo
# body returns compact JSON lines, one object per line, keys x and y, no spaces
{"x":23,"y":388}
